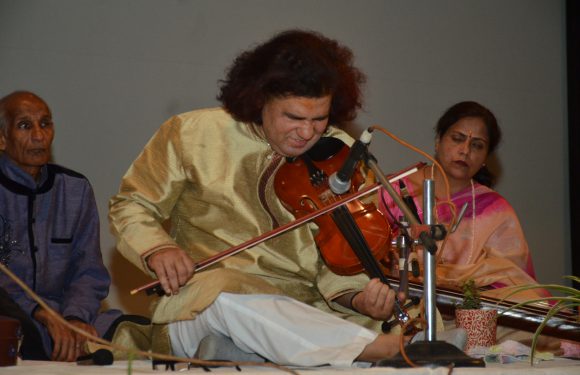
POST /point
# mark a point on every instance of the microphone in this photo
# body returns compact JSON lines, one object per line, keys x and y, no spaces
{"x":408,"y":200}
{"x":339,"y":182}
{"x":101,"y":357}
{"x":459,"y":217}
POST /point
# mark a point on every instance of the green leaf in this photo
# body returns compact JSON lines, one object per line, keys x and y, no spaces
{"x":553,"y":311}
{"x":570,"y":299}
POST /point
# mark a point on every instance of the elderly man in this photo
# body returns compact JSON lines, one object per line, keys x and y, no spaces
{"x":49,"y":236}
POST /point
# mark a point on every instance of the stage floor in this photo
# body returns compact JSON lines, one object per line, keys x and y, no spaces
{"x":559,"y":366}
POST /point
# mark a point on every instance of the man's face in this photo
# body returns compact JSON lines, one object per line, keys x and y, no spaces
{"x":28,"y":134}
{"x":292,"y":125}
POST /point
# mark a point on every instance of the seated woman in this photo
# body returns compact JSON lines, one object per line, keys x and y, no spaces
{"x":488,"y":245}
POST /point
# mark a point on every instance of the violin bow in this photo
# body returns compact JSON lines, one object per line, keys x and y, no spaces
{"x":154,"y":287}
{"x":199,"y":266}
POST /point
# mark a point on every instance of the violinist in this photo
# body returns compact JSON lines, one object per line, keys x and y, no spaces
{"x":488,"y":245}
{"x":210,"y":174}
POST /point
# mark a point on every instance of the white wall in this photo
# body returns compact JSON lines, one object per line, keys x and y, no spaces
{"x":114,"y":70}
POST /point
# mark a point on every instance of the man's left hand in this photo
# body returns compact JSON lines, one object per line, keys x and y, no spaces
{"x":376,"y":300}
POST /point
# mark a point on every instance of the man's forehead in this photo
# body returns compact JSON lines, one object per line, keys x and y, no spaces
{"x":24,"y":104}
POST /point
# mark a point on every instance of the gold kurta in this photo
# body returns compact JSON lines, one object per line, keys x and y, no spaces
{"x":204,"y":172}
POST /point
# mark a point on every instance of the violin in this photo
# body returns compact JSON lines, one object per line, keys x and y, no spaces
{"x":353,"y":238}
{"x":301,"y":184}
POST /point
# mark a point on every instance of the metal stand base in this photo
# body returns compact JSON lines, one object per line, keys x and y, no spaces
{"x":432,"y":354}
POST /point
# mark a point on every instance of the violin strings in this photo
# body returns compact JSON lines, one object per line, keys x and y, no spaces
{"x":354,"y":236}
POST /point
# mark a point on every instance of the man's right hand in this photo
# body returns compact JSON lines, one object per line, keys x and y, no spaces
{"x":173,"y":268}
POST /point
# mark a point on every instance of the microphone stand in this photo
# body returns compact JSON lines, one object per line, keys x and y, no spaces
{"x":429,"y":352}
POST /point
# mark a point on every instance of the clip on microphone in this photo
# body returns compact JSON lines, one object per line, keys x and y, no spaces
{"x":408,"y":200}
{"x":459,"y":217}
{"x":339,"y":182}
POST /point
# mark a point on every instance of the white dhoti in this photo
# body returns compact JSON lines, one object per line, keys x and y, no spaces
{"x":279,"y":328}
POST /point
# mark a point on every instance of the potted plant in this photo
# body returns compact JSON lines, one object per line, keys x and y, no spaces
{"x":568,"y":298}
{"x":480,"y":324}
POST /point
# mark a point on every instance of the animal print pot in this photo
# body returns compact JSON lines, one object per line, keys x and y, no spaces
{"x":481,"y":326}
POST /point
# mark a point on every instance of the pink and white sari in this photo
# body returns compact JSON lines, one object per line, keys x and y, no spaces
{"x":488,"y":245}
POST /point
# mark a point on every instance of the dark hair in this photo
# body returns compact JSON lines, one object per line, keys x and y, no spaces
{"x":473,"y":109}
{"x":293,"y":63}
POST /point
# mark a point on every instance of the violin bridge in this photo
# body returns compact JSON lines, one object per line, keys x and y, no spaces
{"x":327,"y":196}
